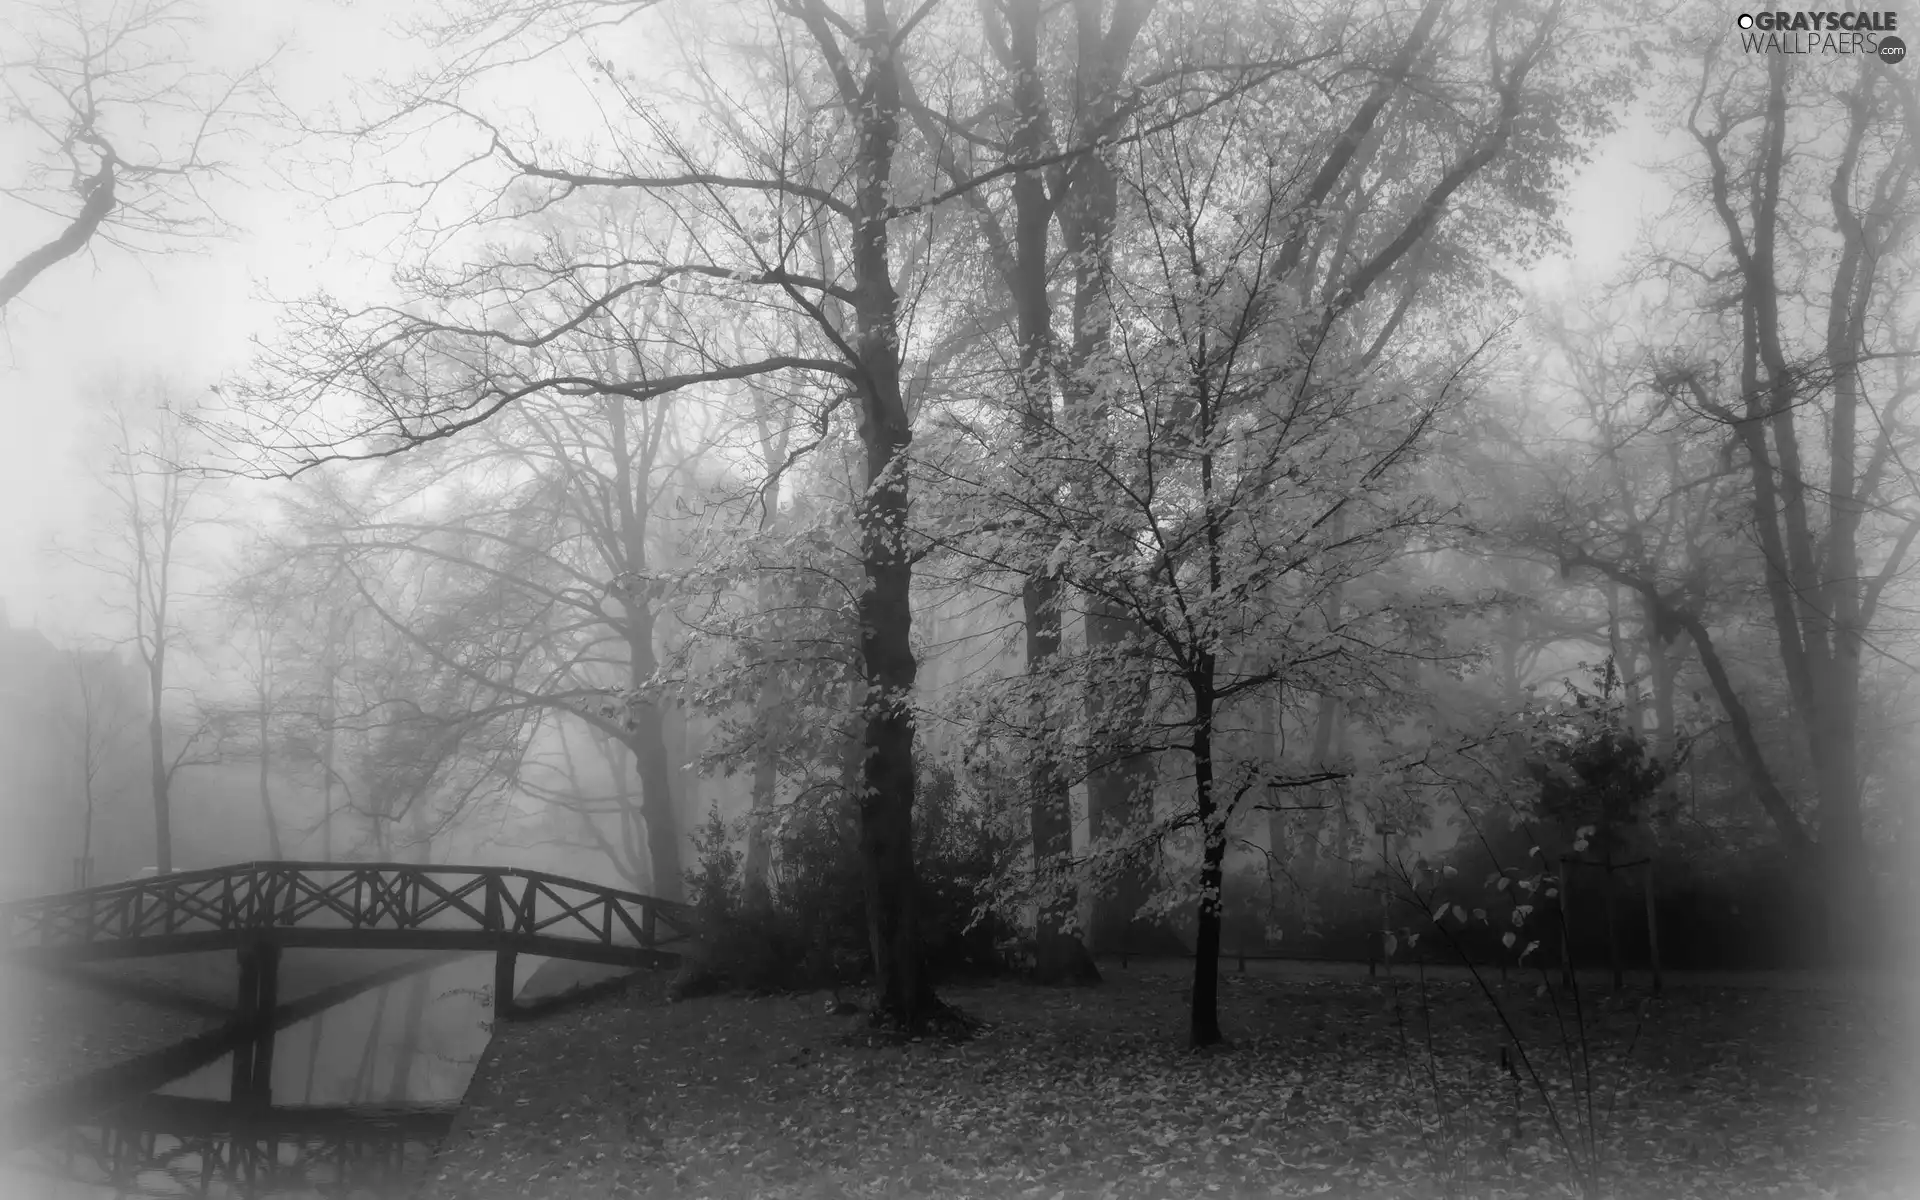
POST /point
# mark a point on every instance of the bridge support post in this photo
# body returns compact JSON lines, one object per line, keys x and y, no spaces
{"x":259,"y":996}
{"x":504,"y":963}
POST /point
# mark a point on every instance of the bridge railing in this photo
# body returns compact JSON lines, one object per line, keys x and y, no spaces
{"x":339,"y":898}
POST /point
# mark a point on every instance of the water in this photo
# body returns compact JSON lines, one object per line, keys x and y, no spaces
{"x":360,"y":1097}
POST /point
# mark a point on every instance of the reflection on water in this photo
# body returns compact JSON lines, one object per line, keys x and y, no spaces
{"x":360,"y":1096}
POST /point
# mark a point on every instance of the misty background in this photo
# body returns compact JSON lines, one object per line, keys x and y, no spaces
{"x":308,"y":707}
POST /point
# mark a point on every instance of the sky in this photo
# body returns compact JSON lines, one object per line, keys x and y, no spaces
{"x":186,"y":315}
{"x":190,"y":315}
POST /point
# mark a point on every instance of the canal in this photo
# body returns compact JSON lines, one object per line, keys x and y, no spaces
{"x":360,"y":1093}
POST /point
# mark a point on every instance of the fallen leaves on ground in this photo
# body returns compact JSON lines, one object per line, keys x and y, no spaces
{"x":1331,"y":1088}
{"x":55,"y":1030}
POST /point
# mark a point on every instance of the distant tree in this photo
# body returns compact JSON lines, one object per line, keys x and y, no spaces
{"x":265,"y":605}
{"x":584,"y":798}
{"x":99,"y":718}
{"x":804,"y":218}
{"x":405,"y":750}
{"x":432,"y":752}
{"x":1766,"y":419}
{"x":554,"y":541}
{"x":155,"y":501}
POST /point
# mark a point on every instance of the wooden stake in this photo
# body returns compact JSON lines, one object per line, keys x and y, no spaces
{"x":1613,"y":936}
{"x":1566,"y":928}
{"x":1653,"y":927}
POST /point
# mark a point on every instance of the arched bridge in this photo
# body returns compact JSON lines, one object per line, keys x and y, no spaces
{"x":259,"y":909}
{"x":363,"y":906}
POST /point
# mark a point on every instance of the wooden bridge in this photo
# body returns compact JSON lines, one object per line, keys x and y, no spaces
{"x":259,"y":909}
{"x":360,"y":906}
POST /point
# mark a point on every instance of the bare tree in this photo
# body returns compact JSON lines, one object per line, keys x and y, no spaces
{"x":1779,"y":409}
{"x":99,"y":720}
{"x":125,"y":127}
{"x":265,"y":605}
{"x":759,"y":215}
{"x":155,"y":502}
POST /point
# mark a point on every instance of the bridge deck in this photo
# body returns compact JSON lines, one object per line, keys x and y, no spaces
{"x":370,"y":906}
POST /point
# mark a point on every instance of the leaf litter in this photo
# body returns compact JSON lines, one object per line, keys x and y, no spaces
{"x":1329,"y":1089}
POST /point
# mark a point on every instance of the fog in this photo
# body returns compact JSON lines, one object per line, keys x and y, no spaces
{"x":969,"y":496}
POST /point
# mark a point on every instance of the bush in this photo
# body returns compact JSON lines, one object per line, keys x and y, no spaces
{"x":1315,"y":914}
{"x":1716,"y":910}
{"x":809,"y":928}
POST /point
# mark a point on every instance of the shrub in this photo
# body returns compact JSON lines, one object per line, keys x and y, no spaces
{"x":810,"y":930}
{"x":1314,"y":913}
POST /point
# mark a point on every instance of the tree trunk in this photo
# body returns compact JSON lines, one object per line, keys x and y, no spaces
{"x":1327,"y":718}
{"x":904,"y":995}
{"x":157,"y":763}
{"x":757,"y":865}
{"x":1758,"y":773}
{"x":1662,"y":670}
{"x":766,"y":777}
{"x":86,"y":841}
{"x":1204,"y":1019}
{"x":1814,"y":581}
{"x":266,"y":795}
{"x":336,"y":634}
{"x":649,"y":746}
{"x":1120,"y":789}
{"x":1625,"y":664}
{"x":1119,"y":785}
{"x":645,"y":733}
{"x":1059,"y":956}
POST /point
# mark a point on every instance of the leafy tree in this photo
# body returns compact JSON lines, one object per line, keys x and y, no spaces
{"x":1241,"y":475}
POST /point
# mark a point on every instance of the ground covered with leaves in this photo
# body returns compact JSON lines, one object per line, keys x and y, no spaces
{"x":1334,"y":1087}
{"x":53,"y":1029}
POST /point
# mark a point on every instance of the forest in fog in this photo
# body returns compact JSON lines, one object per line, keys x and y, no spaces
{"x":1021,"y":480}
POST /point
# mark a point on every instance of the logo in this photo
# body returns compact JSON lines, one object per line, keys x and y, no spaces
{"x":1777,"y":32}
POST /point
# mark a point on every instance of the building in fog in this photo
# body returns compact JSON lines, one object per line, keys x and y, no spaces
{"x":44,"y":734}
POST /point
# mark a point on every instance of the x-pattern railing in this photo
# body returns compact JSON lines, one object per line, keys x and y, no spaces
{"x":515,"y":907}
